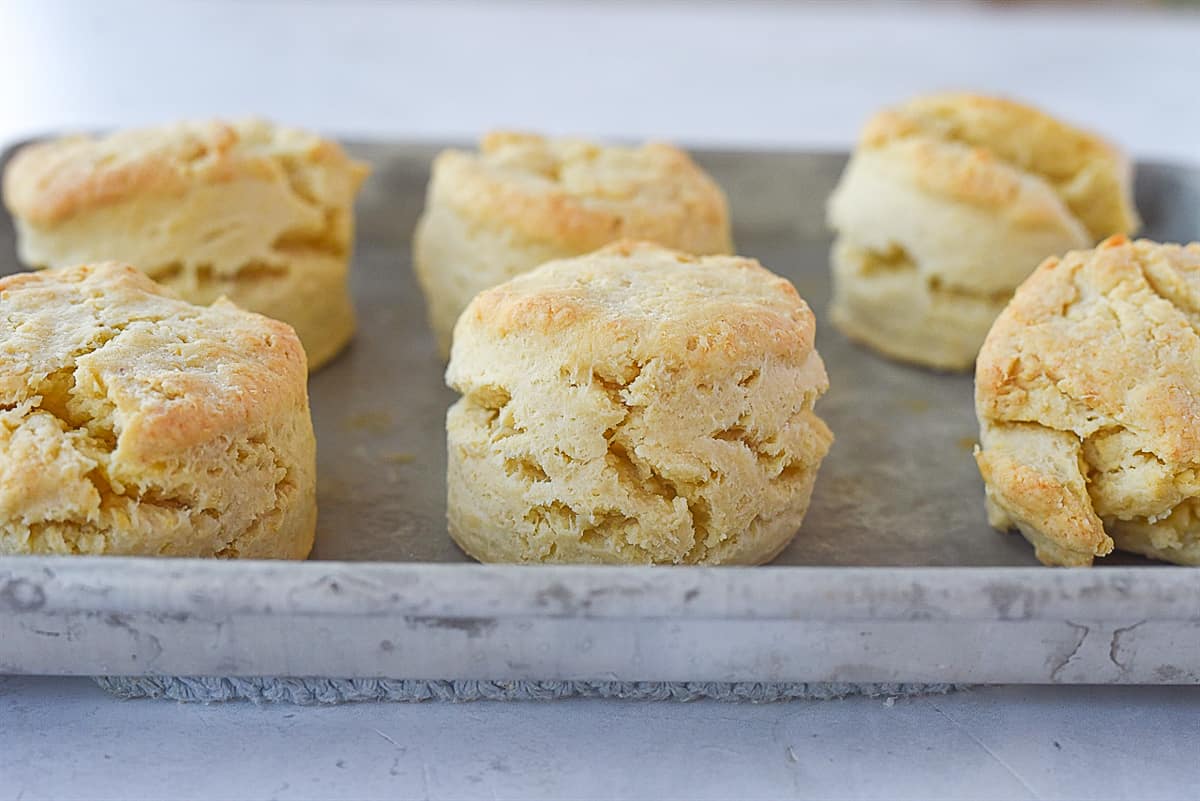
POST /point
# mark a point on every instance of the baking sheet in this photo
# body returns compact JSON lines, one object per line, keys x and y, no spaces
{"x":863,"y":594}
{"x":899,"y":487}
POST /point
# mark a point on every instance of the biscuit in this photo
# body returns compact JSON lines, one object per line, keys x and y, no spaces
{"x":523,"y":200}
{"x":947,"y":204}
{"x":1088,"y":397}
{"x":134,"y":423}
{"x":634,"y":405}
{"x":260,"y":214}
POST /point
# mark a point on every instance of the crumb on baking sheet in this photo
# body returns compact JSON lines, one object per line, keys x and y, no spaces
{"x":375,"y":422}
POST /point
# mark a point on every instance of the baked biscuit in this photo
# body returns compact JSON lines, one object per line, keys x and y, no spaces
{"x":259,"y":214}
{"x":635,"y":405}
{"x":135,"y":423}
{"x":523,"y":200}
{"x":948,"y":203}
{"x":1088,"y":396}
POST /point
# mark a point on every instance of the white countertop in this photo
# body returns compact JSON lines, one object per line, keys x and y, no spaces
{"x":64,"y":739}
{"x":790,"y":74}
{"x":755,"y":74}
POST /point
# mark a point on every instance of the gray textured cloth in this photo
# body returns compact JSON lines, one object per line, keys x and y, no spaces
{"x":340,"y":691}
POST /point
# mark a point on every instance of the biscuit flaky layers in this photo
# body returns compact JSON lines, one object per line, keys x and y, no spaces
{"x":1088,"y":396}
{"x":523,"y":200}
{"x":948,"y":203}
{"x":636,"y":405}
{"x":260,"y":214}
{"x":135,"y":423}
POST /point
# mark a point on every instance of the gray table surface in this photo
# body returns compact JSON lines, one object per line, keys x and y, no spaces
{"x":65,"y":739}
{"x":794,"y":74}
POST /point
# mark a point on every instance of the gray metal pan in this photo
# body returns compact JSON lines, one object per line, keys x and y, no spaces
{"x":895,"y":575}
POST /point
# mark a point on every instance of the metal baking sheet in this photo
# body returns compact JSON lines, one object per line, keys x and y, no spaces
{"x":895,"y":575}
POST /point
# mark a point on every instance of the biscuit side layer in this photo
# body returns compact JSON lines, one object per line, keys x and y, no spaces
{"x":882,"y":300}
{"x":635,"y":464}
{"x":885,"y":200}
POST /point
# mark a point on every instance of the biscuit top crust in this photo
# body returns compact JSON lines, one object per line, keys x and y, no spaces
{"x":105,"y":347}
{"x":977,"y":177}
{"x":1103,"y":341}
{"x":1092,"y":177}
{"x":584,"y":195}
{"x":49,"y":182}
{"x":632,"y":302}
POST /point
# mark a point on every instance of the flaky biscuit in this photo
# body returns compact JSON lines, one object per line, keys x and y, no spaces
{"x":522,"y":200}
{"x":260,"y":214}
{"x":635,"y":405}
{"x":1088,"y":397}
{"x":135,"y":423}
{"x":952,"y":200}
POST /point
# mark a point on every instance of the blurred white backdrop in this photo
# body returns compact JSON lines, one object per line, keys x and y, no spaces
{"x":791,"y":74}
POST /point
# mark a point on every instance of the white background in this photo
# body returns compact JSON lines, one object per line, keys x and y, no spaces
{"x":752,"y":74}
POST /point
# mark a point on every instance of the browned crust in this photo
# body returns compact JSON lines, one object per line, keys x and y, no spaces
{"x":1093,"y":327}
{"x":1092,"y":176}
{"x":516,"y":181}
{"x":669,"y":304}
{"x":1098,"y":342}
{"x":50,"y":181}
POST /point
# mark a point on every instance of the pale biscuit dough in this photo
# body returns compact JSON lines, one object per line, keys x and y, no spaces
{"x":260,"y":214}
{"x":948,"y":203}
{"x":635,"y":405}
{"x":1088,"y":396}
{"x":135,"y":423}
{"x":523,"y":200}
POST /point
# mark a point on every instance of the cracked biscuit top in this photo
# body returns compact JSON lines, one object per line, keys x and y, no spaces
{"x":1088,"y":396}
{"x":635,"y":301}
{"x":580,"y":195}
{"x":133,"y":422}
{"x":49,"y":182}
{"x":169,"y":374}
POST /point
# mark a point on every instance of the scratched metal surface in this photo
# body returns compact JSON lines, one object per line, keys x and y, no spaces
{"x":898,"y":489}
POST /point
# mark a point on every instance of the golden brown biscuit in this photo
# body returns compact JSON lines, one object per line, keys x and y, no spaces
{"x":135,"y":423}
{"x":635,"y":405}
{"x":523,"y":200}
{"x":1088,"y":396}
{"x":947,"y":205}
{"x":260,"y":214}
